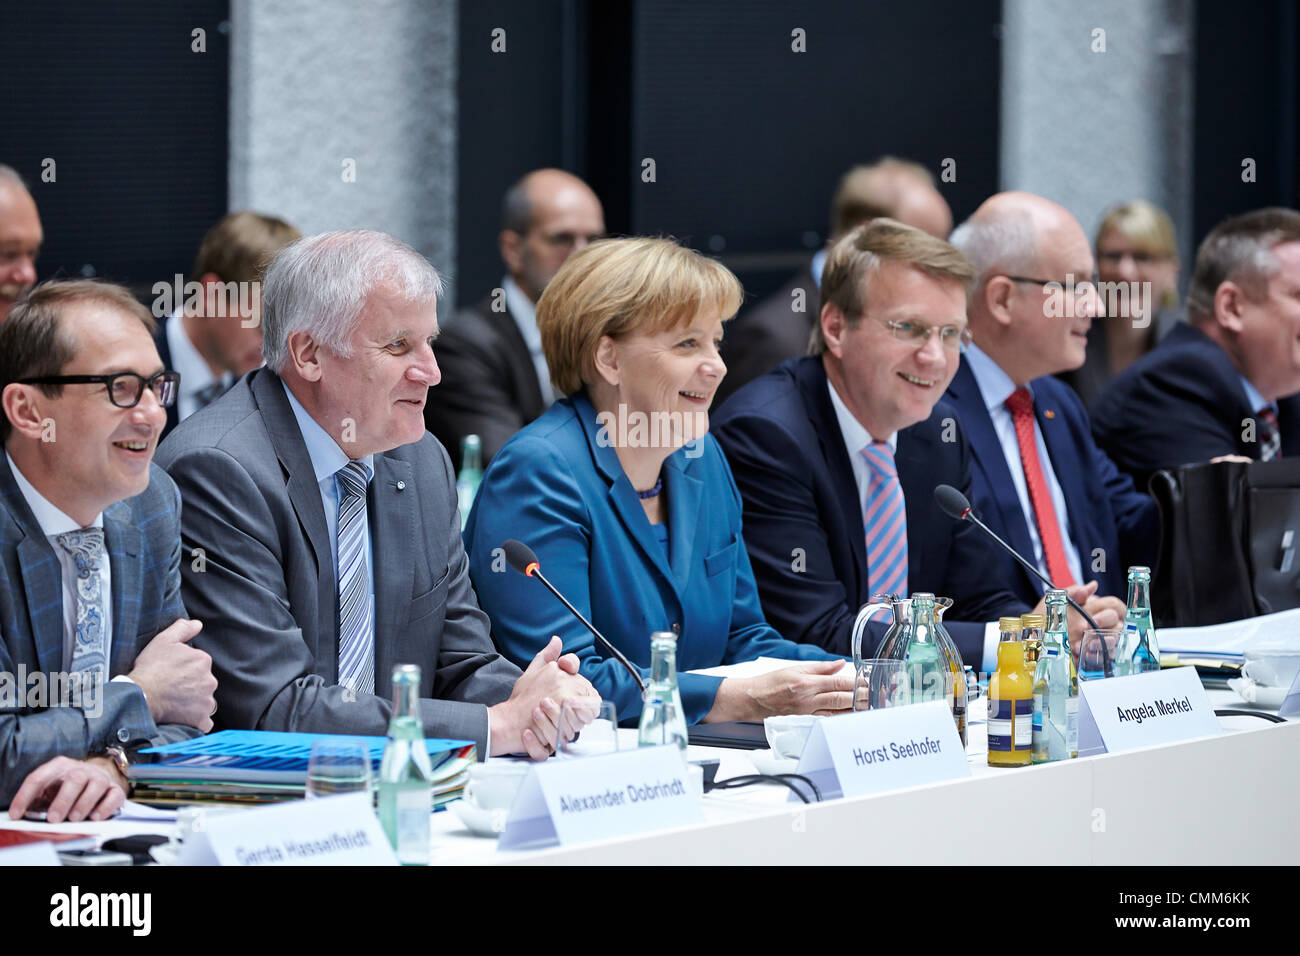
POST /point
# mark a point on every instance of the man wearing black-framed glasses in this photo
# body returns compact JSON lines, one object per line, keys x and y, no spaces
{"x":89,"y":554}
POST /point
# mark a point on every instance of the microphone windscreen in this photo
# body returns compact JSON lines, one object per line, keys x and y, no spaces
{"x":951,"y":501}
{"x":519,"y":556}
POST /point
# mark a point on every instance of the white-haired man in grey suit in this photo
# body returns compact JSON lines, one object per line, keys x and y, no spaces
{"x":320,"y":524}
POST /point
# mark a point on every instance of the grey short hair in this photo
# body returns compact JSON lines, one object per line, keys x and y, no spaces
{"x":1240,"y":250}
{"x":320,"y":285}
{"x":1007,"y":242}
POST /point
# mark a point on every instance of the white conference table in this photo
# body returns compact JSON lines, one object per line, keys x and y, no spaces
{"x":1229,"y":799}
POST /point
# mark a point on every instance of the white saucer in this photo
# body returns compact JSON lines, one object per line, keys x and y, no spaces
{"x":479,"y":821}
{"x":769,"y":763}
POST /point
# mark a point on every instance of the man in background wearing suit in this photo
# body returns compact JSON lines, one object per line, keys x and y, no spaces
{"x":93,"y":655}
{"x":495,"y":379}
{"x":1226,"y":382}
{"x":20,"y":239}
{"x":837,"y":454}
{"x":1039,"y":480}
{"x":325,"y":517}
{"x":213,"y":339}
{"x":778,"y":327}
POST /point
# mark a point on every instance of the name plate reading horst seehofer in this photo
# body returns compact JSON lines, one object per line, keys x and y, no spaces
{"x":1121,"y":713}
{"x":573,"y":800}
{"x":873,"y":751}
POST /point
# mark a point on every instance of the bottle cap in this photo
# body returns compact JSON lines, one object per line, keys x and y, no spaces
{"x":1009,"y":624}
{"x":1033,"y":620}
{"x":663,"y":636}
{"x":1053,"y":595}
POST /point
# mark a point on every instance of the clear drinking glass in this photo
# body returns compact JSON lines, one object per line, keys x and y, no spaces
{"x":588,"y":726}
{"x":338,"y":766}
{"x":1097,"y":653}
{"x":879,"y":683}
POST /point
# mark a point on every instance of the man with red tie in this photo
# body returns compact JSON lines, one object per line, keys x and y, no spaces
{"x":1038,"y":478}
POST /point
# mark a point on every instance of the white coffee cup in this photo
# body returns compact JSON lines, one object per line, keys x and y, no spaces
{"x":492,"y":785}
{"x":1271,"y":668}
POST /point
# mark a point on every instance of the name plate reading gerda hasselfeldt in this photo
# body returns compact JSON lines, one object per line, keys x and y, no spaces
{"x":873,"y":751}
{"x":1161,"y":707}
{"x":568,"y":801}
{"x":331,"y":831}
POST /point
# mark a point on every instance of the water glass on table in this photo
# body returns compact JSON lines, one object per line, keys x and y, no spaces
{"x":338,"y":766}
{"x":588,"y":726}
{"x":879,"y":683}
{"x":1097,"y":654}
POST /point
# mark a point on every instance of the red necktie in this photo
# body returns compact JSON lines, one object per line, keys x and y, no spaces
{"x":1021,"y":406}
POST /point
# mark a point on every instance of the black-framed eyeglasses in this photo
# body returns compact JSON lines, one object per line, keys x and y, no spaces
{"x":125,"y":389}
{"x":1087,"y":284}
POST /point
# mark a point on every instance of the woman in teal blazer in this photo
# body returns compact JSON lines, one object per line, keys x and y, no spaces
{"x":628,"y":502}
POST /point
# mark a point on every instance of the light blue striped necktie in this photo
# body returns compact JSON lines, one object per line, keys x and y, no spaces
{"x":885,"y":519}
{"x":89,"y":652}
{"x":356,"y":627}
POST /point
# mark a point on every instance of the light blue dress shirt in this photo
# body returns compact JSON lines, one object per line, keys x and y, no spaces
{"x":326,"y":459}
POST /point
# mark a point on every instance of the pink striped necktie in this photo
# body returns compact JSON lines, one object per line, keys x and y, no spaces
{"x":885,"y":520}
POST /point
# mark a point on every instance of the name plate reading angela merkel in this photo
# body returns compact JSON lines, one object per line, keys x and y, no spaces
{"x":873,"y":751}
{"x":574,"y":800}
{"x":1121,"y":713}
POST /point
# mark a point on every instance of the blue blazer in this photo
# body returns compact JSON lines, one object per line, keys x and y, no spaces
{"x":143,"y":540}
{"x":783,"y":440}
{"x":558,"y":489}
{"x":1182,"y":403}
{"x":1111,"y":523}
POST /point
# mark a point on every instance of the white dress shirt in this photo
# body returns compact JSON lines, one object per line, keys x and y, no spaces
{"x":856,"y":438}
{"x":196,"y":375}
{"x":524,"y":312}
{"x":54,"y":522}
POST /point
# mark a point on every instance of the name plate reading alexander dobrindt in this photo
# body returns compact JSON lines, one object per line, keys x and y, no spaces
{"x":574,"y":800}
{"x":873,"y":751}
{"x":1161,"y":707}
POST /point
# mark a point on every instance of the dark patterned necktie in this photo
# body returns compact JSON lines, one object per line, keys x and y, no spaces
{"x":1270,"y":439}
{"x":89,"y":652}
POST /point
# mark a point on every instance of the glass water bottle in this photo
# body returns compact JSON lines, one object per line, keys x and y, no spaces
{"x":1138,"y":651}
{"x":405,"y":777}
{"x":470,"y":475}
{"x":663,"y":721}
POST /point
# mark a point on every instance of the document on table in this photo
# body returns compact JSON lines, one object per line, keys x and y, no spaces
{"x":1231,"y":637}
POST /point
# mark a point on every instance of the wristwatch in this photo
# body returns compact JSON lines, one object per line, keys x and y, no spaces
{"x":118,"y":756}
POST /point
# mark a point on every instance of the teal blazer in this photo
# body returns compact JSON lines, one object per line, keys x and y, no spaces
{"x":558,"y":489}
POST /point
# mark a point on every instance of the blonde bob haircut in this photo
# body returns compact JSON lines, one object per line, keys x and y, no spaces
{"x":619,"y":287}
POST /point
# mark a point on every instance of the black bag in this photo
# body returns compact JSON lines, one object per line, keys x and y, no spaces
{"x":1228,"y":545}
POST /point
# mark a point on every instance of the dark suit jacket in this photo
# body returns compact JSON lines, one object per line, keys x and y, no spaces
{"x":767,"y":334}
{"x":267,"y":591}
{"x":787,"y":453}
{"x":557,"y":487}
{"x":165,"y":353}
{"x":489,"y":384}
{"x":1104,"y":510}
{"x":1180,"y":404}
{"x":142,"y":537}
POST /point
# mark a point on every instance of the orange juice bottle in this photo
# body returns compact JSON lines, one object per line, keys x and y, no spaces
{"x":1011,"y":709}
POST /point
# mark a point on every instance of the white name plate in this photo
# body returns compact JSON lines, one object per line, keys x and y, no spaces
{"x":31,"y":854}
{"x":330,"y":831}
{"x":873,"y":751}
{"x":566,"y":801}
{"x":1121,"y":713}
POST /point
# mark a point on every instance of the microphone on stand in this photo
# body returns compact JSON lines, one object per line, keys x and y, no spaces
{"x":956,"y":505}
{"x":521,"y":557}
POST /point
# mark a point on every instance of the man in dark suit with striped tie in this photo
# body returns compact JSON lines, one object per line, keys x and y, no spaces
{"x":94,"y":659}
{"x":837,"y":454}
{"x":1225,"y":383}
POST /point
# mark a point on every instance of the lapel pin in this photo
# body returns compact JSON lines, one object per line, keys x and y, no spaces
{"x":401,"y":485}
{"x":1048,"y":413}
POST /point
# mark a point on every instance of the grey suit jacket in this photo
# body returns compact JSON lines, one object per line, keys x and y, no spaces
{"x":142,"y":537}
{"x":266,"y":589}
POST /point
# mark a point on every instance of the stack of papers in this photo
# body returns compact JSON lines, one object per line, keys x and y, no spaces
{"x":248,"y":767}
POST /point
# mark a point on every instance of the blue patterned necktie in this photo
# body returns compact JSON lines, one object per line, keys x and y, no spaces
{"x":885,"y":518}
{"x":89,"y":651}
{"x":356,"y":629}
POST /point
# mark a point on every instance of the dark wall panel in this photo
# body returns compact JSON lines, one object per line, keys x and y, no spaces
{"x":135,"y":121}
